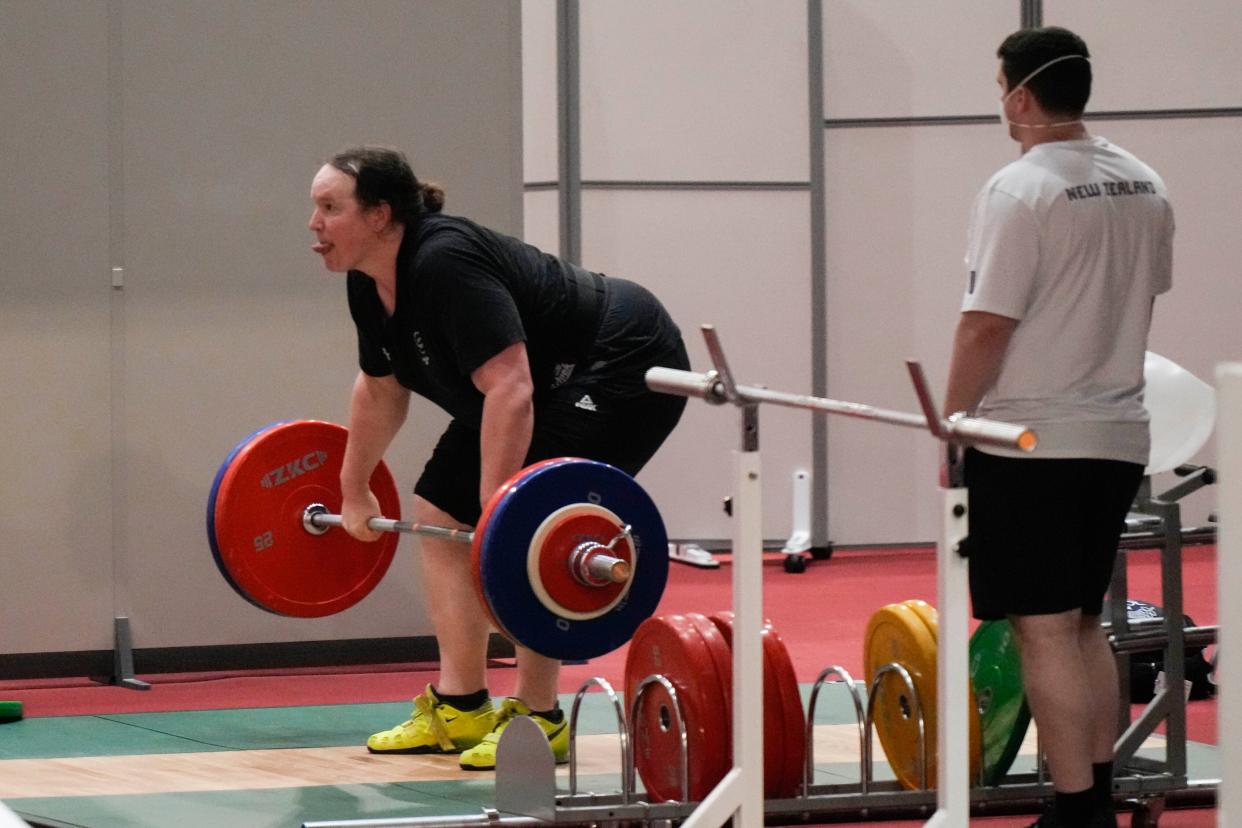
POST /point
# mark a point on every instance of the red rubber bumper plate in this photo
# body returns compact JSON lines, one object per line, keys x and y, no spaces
{"x":784,"y":722}
{"x":687,"y":653}
{"x":254,"y":522}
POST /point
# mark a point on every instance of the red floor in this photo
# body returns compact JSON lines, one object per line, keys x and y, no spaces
{"x":821,"y":614}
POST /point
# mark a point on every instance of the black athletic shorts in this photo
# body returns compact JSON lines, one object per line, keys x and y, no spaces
{"x":602,"y":411}
{"x":1044,"y":532}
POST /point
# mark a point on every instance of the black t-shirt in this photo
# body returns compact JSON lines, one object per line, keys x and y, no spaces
{"x":464,"y":294}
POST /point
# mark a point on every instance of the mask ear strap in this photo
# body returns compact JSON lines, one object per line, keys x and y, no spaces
{"x":1055,"y":60}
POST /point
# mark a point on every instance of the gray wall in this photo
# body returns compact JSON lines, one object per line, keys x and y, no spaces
{"x":55,"y":512}
{"x":178,"y":140}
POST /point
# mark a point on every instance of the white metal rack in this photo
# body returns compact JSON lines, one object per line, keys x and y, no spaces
{"x":1229,"y":579}
{"x":739,"y":796}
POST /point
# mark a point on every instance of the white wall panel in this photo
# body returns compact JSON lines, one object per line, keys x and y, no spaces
{"x":895,"y":281}
{"x":898,"y":201}
{"x":542,"y":220}
{"x":539,"y":112}
{"x":56,"y":507}
{"x":894,"y":58}
{"x":740,"y":261}
{"x":1152,"y":54}
{"x":1197,"y":323}
{"x":695,"y":90}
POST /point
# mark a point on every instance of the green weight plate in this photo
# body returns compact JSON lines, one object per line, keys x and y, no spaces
{"x":10,"y":711}
{"x":996,"y":675}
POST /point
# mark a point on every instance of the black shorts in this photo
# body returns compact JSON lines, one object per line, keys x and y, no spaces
{"x":1044,"y":532}
{"x":603,"y":411}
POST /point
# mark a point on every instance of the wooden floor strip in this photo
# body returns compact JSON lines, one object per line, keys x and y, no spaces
{"x":835,"y":745}
{"x":251,"y":769}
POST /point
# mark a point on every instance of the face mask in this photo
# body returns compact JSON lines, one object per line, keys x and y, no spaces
{"x":1006,"y":123}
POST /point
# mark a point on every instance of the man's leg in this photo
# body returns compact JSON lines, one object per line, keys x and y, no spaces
{"x":1101,"y":666}
{"x":1059,"y":689}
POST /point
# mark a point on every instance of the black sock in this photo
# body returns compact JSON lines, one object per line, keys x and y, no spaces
{"x":1102,"y":784}
{"x":555,"y":715}
{"x":1074,"y":810}
{"x":470,"y":701}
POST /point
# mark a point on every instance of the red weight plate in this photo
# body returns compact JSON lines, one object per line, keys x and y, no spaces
{"x":550,"y":551}
{"x":784,"y":723}
{"x":672,"y":646}
{"x":476,"y":547}
{"x":722,"y":658}
{"x":793,"y":728}
{"x":260,"y":541}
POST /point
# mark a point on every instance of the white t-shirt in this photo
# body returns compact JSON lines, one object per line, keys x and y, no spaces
{"x":1074,"y":240}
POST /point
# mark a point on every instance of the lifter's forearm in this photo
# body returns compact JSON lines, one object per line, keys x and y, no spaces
{"x":979,"y":346}
{"x":377,"y":409}
{"x":508,"y":423}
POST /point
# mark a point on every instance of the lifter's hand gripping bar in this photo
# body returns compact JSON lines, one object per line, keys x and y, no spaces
{"x":588,"y":564}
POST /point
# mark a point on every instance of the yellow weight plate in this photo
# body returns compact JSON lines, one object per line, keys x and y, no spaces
{"x":896,"y":634}
{"x":906,"y":634}
{"x":927,"y":612}
{"x":931,"y":618}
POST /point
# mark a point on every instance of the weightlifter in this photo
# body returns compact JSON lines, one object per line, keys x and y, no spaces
{"x":1068,"y":247}
{"x":533,"y":357}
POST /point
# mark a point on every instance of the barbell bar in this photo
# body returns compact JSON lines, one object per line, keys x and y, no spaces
{"x":709,"y":386}
{"x":589,"y":565}
{"x":567,"y":559}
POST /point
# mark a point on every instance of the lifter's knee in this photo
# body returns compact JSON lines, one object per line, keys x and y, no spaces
{"x":427,"y":512}
{"x":1054,"y":629}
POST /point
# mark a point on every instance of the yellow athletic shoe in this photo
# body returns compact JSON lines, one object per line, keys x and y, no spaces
{"x":435,"y":727}
{"x":483,"y":755}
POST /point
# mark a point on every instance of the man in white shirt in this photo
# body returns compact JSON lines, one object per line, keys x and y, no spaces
{"x":1068,"y":247}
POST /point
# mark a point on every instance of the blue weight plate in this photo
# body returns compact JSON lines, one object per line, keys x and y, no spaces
{"x":211,"y":510}
{"x":503,"y":544}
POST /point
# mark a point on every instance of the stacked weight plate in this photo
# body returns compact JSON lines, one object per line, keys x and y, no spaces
{"x":906,"y":634}
{"x":693,"y":653}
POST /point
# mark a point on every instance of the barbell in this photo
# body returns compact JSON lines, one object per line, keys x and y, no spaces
{"x":588,"y":563}
{"x":568,"y":558}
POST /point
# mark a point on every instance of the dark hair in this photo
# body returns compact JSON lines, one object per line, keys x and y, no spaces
{"x":384,"y":176}
{"x":1062,"y":88}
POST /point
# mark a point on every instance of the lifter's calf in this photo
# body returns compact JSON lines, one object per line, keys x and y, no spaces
{"x":537,"y":679}
{"x":461,"y":625}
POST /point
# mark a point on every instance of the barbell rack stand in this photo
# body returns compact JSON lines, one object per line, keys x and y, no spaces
{"x":739,"y":796}
{"x":527,"y":797}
